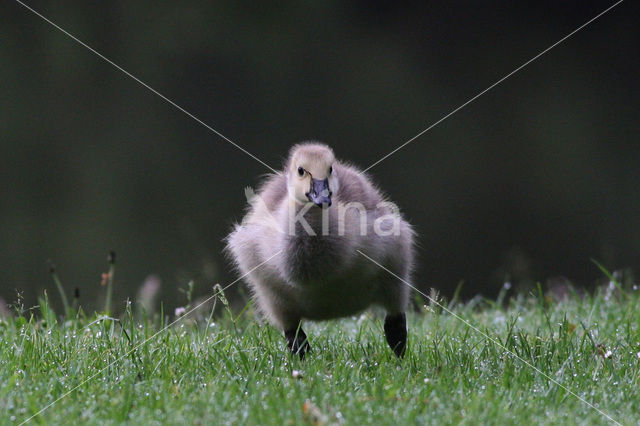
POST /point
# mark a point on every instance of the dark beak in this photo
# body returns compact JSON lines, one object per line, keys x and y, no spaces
{"x":319,"y":194}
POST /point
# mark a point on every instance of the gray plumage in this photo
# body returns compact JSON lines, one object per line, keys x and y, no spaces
{"x":322,"y":276}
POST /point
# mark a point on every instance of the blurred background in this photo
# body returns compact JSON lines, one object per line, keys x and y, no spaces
{"x":524,"y":185}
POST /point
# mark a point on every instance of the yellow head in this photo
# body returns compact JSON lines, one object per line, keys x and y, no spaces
{"x":311,"y":175}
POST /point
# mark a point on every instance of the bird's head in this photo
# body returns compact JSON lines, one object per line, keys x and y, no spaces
{"x":310,"y":174}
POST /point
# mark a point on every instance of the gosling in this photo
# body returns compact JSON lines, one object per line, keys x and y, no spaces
{"x":297,"y":247}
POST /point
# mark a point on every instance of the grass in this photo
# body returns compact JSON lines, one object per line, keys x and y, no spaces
{"x":229,"y":368}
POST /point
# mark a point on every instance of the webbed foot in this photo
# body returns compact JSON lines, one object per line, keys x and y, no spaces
{"x":297,"y":342}
{"x":395,"y":330}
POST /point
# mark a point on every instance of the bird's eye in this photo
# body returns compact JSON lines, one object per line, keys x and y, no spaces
{"x":330,"y":169}
{"x":300,"y":171}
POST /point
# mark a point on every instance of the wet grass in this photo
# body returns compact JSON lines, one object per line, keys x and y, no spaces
{"x":231,"y":369}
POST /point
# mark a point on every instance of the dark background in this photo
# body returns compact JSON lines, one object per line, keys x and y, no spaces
{"x":528,"y":182}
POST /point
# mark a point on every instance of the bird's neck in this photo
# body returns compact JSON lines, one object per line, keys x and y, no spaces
{"x":307,"y":219}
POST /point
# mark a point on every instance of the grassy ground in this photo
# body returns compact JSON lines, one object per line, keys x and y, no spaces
{"x":231,"y":369}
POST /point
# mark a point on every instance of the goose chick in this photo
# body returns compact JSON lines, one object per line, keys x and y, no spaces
{"x":297,"y":247}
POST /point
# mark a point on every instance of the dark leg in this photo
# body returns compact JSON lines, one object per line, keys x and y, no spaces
{"x":395,"y":330}
{"x":297,"y":341}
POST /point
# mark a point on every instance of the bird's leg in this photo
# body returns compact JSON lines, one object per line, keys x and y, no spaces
{"x":297,"y":341}
{"x":395,"y":330}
